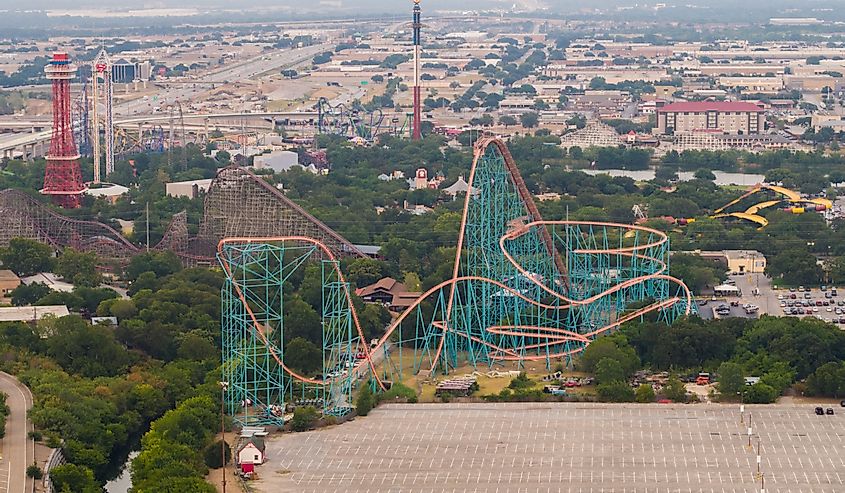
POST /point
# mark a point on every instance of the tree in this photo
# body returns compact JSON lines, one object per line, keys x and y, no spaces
{"x":666,"y":173}
{"x":79,"y":268}
{"x":27,"y":257}
{"x":28,"y":294}
{"x":74,"y":478}
{"x":91,"y":351}
{"x":304,"y":418}
{"x":303,"y":355}
{"x":704,"y":174}
{"x":301,"y":320}
{"x":507,"y":121}
{"x":214,"y":453}
{"x":614,"y":347}
{"x":365,"y":401}
{"x":731,"y":379}
{"x":364,"y":271}
{"x":795,"y":266}
{"x":615,"y":392}
{"x":760,"y":393}
{"x":609,"y":370}
{"x":674,"y":390}
{"x":529,"y":120}
{"x":645,"y":394}
{"x":828,"y":380}
{"x":161,"y":263}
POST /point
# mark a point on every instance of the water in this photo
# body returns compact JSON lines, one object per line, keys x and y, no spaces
{"x":722,"y":177}
{"x":123,"y":481}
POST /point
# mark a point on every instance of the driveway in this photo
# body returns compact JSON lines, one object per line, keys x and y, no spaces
{"x":16,"y":451}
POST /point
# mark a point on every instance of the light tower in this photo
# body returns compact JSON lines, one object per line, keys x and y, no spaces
{"x":62,"y":178}
{"x":417,"y":25}
{"x":101,"y":67}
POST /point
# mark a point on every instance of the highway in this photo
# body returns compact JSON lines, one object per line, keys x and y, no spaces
{"x":241,"y":71}
{"x":16,"y":451}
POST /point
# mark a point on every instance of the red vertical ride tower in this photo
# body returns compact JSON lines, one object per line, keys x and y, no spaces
{"x":63,"y":178}
{"x":417,"y":25}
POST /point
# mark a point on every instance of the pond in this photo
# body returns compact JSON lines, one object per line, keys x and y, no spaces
{"x":722,"y":177}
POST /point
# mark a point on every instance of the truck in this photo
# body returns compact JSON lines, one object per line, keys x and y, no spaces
{"x":703,"y":379}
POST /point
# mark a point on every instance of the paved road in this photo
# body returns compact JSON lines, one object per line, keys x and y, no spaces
{"x":16,"y":451}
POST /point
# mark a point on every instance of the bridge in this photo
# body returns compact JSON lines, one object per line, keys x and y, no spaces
{"x":36,"y":142}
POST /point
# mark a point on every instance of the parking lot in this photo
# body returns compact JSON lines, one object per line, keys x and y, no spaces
{"x":541,"y":447}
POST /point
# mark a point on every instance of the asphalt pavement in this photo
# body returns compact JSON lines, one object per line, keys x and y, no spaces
{"x":16,"y":451}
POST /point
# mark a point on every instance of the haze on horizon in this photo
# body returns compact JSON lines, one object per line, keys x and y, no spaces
{"x":788,"y":7}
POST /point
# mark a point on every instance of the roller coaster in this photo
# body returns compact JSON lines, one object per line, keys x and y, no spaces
{"x":797,"y":204}
{"x":522,"y":290}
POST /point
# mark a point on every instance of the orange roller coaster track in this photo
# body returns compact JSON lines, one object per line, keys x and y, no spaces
{"x":511,"y":298}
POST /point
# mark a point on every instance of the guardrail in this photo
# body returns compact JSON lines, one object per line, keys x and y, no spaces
{"x":57,"y":458}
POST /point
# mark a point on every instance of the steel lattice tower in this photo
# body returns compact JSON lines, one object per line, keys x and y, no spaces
{"x":62,"y":178}
{"x":102,"y":68}
{"x":417,"y":25}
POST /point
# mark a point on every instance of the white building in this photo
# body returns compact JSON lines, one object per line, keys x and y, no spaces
{"x":190,"y":189}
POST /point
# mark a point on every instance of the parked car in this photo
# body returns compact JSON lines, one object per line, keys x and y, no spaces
{"x":829,"y":411}
{"x":819,"y":411}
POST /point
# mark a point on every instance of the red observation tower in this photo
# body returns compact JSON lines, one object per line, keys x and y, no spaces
{"x":63,"y":178}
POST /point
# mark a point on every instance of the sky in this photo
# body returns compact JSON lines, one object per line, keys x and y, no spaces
{"x":401,"y":6}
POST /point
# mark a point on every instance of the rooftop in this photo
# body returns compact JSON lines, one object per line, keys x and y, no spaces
{"x":31,"y":313}
{"x":701,"y":106}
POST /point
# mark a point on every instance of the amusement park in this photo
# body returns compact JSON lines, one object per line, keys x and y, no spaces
{"x":331,"y":255}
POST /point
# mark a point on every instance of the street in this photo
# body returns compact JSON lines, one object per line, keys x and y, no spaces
{"x":16,"y":451}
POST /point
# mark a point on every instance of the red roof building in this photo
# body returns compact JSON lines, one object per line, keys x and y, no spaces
{"x":729,"y":117}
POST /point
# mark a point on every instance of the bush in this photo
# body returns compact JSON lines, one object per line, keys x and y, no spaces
{"x":645,"y":393}
{"x":617,"y":391}
{"x":761,"y":393}
{"x":365,"y":401}
{"x":213,"y":457}
{"x":34,"y":472}
{"x":35,"y":435}
{"x":520,"y":382}
{"x":304,"y":418}
{"x":401,"y":391}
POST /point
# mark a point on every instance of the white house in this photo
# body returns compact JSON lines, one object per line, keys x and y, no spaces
{"x":251,"y":452}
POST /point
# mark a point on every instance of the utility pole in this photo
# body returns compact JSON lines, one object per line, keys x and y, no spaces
{"x":147,"y":208}
{"x":223,"y":387}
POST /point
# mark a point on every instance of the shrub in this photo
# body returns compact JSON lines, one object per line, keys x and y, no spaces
{"x":645,"y":394}
{"x":34,"y":472}
{"x":617,"y":391}
{"x":304,"y":418}
{"x":365,"y":401}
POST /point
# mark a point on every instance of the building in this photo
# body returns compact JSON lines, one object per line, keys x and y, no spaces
{"x":740,"y":261}
{"x":50,"y":280}
{"x":746,"y":261}
{"x":252,"y":452}
{"x":190,"y":189}
{"x":732,"y":117}
{"x":278,"y":161}
{"x":31,"y":313}
{"x":8,"y":282}
{"x":123,"y":71}
{"x":388,"y":292}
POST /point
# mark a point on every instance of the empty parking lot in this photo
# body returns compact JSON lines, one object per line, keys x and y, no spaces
{"x":533,"y":447}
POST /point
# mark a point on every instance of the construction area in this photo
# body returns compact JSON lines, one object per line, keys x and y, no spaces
{"x":575,"y":448}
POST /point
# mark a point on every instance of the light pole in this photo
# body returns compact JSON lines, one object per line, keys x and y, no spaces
{"x":223,"y":387}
